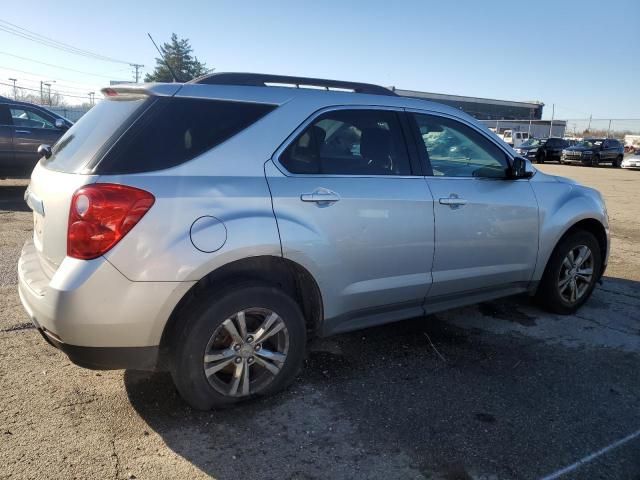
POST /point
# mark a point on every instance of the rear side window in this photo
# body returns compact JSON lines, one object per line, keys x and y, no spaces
{"x":86,"y":138}
{"x":350,"y":142}
{"x":175,"y":130}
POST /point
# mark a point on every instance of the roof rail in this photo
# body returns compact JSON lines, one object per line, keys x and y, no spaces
{"x":266,"y":80}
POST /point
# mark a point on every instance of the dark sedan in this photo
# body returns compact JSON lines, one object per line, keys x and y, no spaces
{"x":24,"y":127}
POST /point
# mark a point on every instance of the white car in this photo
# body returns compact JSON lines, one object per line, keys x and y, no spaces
{"x":632,"y":161}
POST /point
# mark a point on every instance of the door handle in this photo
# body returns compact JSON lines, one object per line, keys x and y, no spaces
{"x":320,"y":195}
{"x":24,"y":132}
{"x":453,"y":201}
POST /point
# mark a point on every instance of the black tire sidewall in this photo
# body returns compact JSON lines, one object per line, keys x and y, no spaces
{"x":548,"y":292}
{"x":187,"y":359}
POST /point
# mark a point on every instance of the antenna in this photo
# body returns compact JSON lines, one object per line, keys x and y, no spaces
{"x":173,"y":74}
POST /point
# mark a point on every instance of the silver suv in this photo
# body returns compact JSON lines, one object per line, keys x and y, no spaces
{"x":211,"y":228}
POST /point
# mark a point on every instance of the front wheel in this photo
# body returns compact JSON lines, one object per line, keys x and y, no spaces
{"x":540,"y":158}
{"x":571,"y":273}
{"x":250,"y":341}
{"x":595,"y":161}
{"x":618,"y":162}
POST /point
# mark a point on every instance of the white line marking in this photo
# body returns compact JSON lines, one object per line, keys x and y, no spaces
{"x":591,"y":457}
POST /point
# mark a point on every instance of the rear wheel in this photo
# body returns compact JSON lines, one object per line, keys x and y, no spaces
{"x":571,"y":273}
{"x":248,"y":342}
{"x":595,"y":161}
{"x":540,"y":157}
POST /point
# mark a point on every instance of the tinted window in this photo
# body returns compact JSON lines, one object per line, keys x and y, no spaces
{"x":27,"y":118}
{"x":84,"y":140}
{"x":5,"y":116}
{"x":350,"y":142}
{"x":175,"y":130}
{"x":455,"y":150}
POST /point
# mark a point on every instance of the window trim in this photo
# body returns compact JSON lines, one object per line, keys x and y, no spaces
{"x":414,"y":163}
{"x":425,"y":158}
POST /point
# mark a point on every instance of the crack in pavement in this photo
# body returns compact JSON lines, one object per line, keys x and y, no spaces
{"x":18,"y":327}
{"x":117,"y":459}
{"x":619,"y":293}
{"x":625,"y":332}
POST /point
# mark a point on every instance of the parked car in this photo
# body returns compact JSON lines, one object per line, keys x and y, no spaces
{"x":515,"y":139}
{"x":542,"y":150}
{"x":230,"y":219}
{"x":632,"y":162}
{"x":23,"y":128}
{"x":594,"y":151}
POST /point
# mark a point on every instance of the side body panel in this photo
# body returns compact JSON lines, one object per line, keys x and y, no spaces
{"x":491,"y":242}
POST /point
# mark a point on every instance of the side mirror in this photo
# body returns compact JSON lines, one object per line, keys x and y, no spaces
{"x":521,"y":168}
{"x":60,"y":123}
{"x":44,"y":151}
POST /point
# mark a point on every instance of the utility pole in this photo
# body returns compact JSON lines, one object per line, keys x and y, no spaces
{"x":137,"y":66}
{"x":41,"y":96}
{"x":589,"y":126}
{"x":15,"y":90}
{"x":553,"y":112}
{"x":91,"y":97}
{"x":609,"y":129}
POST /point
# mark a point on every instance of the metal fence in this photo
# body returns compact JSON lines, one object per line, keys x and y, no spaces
{"x":72,"y":113}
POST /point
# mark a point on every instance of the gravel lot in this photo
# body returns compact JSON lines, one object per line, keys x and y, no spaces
{"x":506,"y":390}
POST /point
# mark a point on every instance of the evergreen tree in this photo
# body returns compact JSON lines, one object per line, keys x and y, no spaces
{"x":178,"y":53}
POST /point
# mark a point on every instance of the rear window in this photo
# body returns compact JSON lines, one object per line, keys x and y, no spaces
{"x":86,"y":138}
{"x":175,"y":130}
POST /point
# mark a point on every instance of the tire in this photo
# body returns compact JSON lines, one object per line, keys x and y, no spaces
{"x":617,"y":163}
{"x":540,"y":158}
{"x":551,"y":295}
{"x":595,"y":161}
{"x":203,"y":327}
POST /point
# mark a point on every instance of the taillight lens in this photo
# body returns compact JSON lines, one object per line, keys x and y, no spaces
{"x":101,"y":215}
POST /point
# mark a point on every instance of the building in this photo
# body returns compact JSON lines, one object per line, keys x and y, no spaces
{"x":482,"y":108}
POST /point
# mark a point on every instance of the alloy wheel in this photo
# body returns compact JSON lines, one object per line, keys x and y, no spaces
{"x":576,"y":274}
{"x":246,"y":352}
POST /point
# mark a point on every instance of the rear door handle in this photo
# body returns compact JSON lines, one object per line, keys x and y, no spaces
{"x":453,"y":201}
{"x":24,"y":132}
{"x":320,"y":195}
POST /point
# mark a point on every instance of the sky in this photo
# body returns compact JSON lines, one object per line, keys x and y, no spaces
{"x":582,"y":56}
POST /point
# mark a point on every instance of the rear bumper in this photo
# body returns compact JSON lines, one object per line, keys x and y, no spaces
{"x":94,"y":314}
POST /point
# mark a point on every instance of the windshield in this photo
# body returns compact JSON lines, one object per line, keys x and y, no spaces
{"x":533,"y":142}
{"x":92,"y":132}
{"x":589,"y":143}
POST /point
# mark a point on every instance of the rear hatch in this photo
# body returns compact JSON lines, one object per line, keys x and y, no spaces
{"x":55,"y":179}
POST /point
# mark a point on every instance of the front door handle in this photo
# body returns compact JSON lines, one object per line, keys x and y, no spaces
{"x":24,"y":132}
{"x":320,"y":195}
{"x":453,"y":201}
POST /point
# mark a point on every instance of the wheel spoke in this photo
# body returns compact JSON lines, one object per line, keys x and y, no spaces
{"x":583,"y":256}
{"x":567,"y":263}
{"x":574,"y":290}
{"x":266,"y":325}
{"x":571,"y":257}
{"x":233,"y":331}
{"x":276,"y":328}
{"x":242,"y":324}
{"x":562,"y":284}
{"x":210,"y":370}
{"x":584,"y":278}
{"x":245,"y":378}
{"x":270,"y":355}
{"x":272,"y":367}
{"x":218,"y":355}
{"x":235,"y":381}
{"x":585,"y":271}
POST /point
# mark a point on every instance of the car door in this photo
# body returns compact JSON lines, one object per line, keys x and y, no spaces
{"x":31,"y":129}
{"x":486,"y":225}
{"x":6,"y":142}
{"x":352,"y":209}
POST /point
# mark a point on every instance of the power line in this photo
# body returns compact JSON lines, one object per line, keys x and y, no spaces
{"x":56,"y":66}
{"x":38,"y":91}
{"x":50,"y":42}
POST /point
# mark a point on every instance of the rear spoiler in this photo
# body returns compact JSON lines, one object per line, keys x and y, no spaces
{"x":142,"y":89}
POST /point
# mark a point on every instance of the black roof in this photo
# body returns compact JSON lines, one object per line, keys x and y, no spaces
{"x":263,"y":80}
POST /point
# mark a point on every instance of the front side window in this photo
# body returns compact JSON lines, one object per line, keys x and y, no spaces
{"x":27,"y":118}
{"x":350,"y":142}
{"x":456,"y":150}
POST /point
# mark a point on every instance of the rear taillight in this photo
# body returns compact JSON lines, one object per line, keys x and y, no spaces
{"x":101,"y":215}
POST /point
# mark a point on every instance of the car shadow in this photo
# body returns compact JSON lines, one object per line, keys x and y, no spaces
{"x":417,"y":398}
{"x":12,"y":198}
